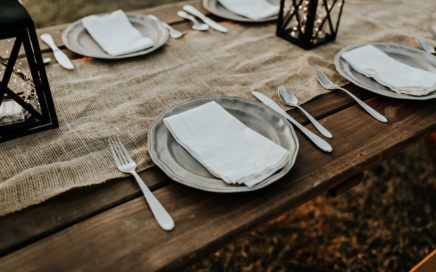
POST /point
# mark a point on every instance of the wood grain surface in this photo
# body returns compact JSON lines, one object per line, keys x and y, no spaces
{"x":109,"y":226}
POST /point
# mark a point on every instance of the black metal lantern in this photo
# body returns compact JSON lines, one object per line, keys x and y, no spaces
{"x":309,"y":23}
{"x":34,"y":98}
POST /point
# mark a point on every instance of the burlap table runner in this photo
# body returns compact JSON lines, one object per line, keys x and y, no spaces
{"x":104,"y":99}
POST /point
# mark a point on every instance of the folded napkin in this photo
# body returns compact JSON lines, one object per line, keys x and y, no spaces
{"x":115,"y":34}
{"x":253,"y":9}
{"x":225,"y":146}
{"x":399,"y":77}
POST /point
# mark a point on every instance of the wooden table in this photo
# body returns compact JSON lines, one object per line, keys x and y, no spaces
{"x":109,"y":226}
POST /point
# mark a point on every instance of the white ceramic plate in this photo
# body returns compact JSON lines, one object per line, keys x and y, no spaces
{"x":179,"y":165}
{"x":410,"y":56}
{"x":77,"y":39}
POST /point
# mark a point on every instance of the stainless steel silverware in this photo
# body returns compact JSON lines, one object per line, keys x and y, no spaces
{"x":291,"y":100}
{"x":60,"y":57}
{"x":326,"y":83}
{"x":195,"y":24}
{"x":214,"y":25}
{"x":127,"y":165}
{"x":323,"y":145}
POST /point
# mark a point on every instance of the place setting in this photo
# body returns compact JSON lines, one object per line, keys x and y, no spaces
{"x":131,"y":35}
{"x":206,"y":143}
{"x":389,"y":69}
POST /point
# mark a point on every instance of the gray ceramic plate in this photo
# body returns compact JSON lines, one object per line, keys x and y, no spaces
{"x":179,"y":165}
{"x":77,"y":39}
{"x":217,"y":9}
{"x":413,"y":57}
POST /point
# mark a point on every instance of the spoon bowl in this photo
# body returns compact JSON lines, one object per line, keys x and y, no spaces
{"x":287,"y":96}
{"x":291,"y":100}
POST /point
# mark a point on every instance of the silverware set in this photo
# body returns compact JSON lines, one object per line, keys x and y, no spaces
{"x":318,"y":141}
{"x":196,"y":25}
{"x":191,"y":13}
{"x":291,"y":100}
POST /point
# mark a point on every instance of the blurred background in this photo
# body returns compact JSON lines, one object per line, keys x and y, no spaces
{"x":387,"y":223}
{"x":55,"y":12}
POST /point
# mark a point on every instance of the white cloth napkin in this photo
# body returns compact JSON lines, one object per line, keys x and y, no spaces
{"x":225,"y":146}
{"x":399,"y":77}
{"x":253,"y":9}
{"x":115,"y":34}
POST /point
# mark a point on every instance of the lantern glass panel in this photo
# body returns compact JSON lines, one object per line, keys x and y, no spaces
{"x":309,"y":23}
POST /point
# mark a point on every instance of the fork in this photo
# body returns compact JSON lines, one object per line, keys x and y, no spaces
{"x":126,"y":164}
{"x":326,"y":83}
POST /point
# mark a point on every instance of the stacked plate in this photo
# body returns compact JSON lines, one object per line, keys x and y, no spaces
{"x":78,"y":40}
{"x":214,"y":7}
{"x":409,"y":56}
{"x":179,"y":165}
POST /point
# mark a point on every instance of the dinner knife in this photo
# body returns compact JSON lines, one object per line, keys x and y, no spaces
{"x":204,"y":18}
{"x":318,"y":141}
{"x":60,"y":57}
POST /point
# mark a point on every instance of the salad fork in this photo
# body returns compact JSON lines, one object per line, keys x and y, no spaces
{"x":326,"y":83}
{"x":126,"y":164}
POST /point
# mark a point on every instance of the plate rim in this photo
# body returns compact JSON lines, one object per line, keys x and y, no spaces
{"x":231,"y":189}
{"x":338,"y":59}
{"x":241,"y":18}
{"x":79,"y":23}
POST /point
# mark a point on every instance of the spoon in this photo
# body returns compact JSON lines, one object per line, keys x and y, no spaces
{"x":195,"y":24}
{"x":291,"y":100}
{"x":174,"y":33}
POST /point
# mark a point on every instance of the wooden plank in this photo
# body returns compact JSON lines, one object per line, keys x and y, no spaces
{"x":127,"y":237}
{"x":38,"y":221}
{"x":69,"y":208}
{"x":430,"y":144}
{"x":427,"y":264}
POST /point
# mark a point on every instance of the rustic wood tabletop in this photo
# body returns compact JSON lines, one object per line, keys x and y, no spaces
{"x":109,"y":227}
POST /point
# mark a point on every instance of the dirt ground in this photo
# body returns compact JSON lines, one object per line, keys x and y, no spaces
{"x":387,"y":223}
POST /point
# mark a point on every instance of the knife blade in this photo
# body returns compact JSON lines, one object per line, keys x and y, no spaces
{"x":60,"y":57}
{"x":318,"y":141}
{"x":204,"y":18}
